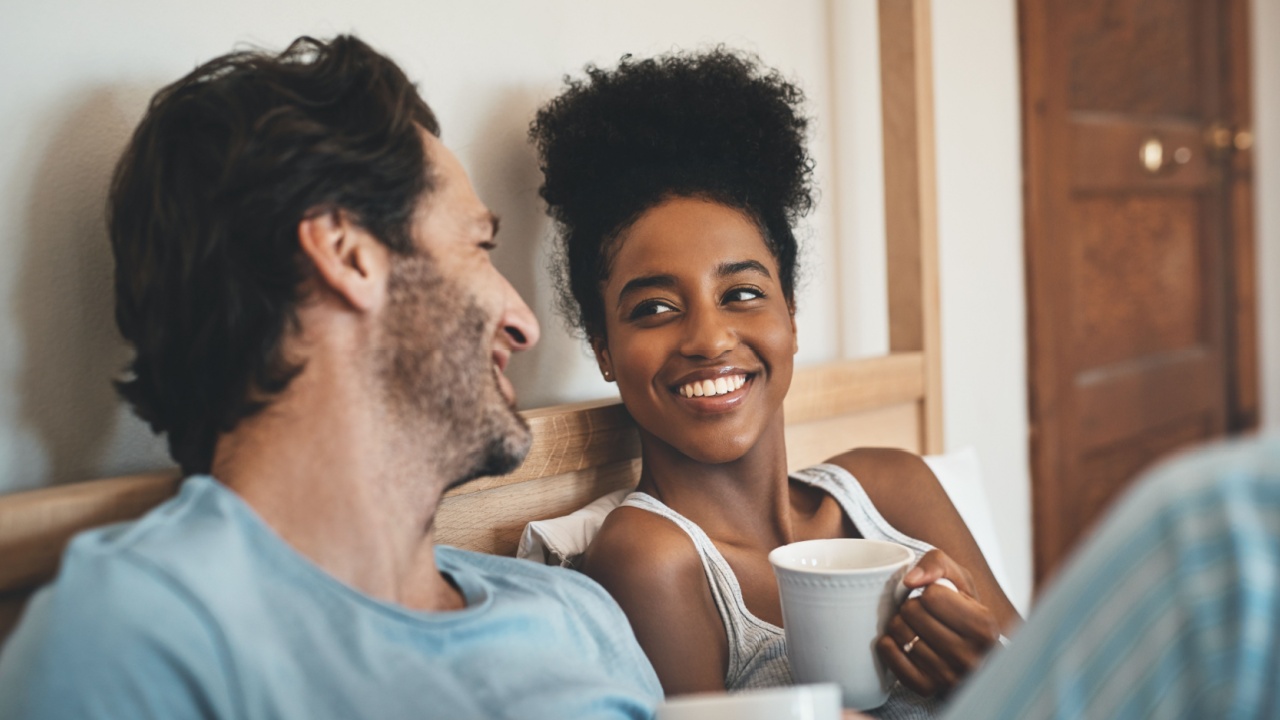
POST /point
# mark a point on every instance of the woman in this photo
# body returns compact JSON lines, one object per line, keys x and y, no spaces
{"x":674,"y":183}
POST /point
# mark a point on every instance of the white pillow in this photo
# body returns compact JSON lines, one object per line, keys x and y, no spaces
{"x":561,"y":541}
{"x":961,"y":476}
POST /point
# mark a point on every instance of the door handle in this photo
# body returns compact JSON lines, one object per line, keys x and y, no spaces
{"x":1151,"y":155}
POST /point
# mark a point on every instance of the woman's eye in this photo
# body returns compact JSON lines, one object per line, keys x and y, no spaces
{"x":743,"y":294}
{"x":651,"y":308}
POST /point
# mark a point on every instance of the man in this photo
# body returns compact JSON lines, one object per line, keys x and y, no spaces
{"x":303,"y":271}
{"x":1170,"y":610}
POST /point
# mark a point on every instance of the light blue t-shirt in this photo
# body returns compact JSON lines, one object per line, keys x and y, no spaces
{"x":199,"y":610}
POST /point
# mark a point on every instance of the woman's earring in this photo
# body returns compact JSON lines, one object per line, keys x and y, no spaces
{"x":608,"y":375}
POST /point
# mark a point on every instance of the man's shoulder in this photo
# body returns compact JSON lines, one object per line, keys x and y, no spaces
{"x":139,"y":576}
{"x":195,"y":534}
{"x":114,"y":614}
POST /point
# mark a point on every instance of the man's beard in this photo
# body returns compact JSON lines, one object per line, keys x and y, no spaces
{"x":435,"y":365}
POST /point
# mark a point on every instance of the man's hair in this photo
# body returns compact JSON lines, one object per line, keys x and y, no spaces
{"x":204,"y":212}
{"x":715,"y":125}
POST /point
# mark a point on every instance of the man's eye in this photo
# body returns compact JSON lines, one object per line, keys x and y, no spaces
{"x":488,"y":245}
{"x":743,"y":294}
{"x":651,"y":308}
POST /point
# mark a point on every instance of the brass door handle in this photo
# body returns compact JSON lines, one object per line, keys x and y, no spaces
{"x":1151,"y":155}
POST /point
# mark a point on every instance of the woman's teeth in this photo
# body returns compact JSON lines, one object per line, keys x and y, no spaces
{"x":710,"y":388}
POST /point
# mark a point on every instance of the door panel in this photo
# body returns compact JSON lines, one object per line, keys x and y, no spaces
{"x":1136,"y":269}
{"x":1112,"y":466}
{"x":1127,"y":246}
{"x":1122,"y":55}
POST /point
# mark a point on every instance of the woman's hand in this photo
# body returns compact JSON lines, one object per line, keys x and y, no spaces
{"x":937,"y":639}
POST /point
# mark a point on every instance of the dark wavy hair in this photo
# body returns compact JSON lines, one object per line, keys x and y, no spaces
{"x":715,"y":125}
{"x":204,"y":211}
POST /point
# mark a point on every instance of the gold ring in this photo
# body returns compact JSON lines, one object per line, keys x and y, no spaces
{"x":910,"y":644}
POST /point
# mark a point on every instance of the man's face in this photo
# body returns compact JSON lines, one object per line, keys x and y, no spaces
{"x":450,"y":326}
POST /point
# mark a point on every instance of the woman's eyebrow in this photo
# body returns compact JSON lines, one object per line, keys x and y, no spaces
{"x":733,"y":268}
{"x":644,"y":282}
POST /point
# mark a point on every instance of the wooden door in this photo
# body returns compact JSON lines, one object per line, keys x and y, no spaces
{"x":1127,"y":108}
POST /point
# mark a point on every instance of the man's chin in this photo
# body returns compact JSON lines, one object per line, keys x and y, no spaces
{"x":503,"y":454}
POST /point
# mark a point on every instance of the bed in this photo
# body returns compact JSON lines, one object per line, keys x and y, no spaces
{"x":585,"y":450}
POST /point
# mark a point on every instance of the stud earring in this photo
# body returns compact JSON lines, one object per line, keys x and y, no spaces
{"x":608,"y":375}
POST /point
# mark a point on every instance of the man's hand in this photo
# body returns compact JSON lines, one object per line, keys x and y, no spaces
{"x":937,"y":639}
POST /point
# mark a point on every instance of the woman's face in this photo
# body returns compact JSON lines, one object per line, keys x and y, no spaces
{"x":699,"y":335}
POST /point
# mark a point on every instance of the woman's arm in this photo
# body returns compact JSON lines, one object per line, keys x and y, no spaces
{"x":653,"y":570}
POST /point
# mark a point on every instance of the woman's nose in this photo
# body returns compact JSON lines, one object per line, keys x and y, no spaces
{"x":707,"y":334}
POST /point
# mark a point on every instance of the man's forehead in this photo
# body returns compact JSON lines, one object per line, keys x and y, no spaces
{"x":450,"y":184}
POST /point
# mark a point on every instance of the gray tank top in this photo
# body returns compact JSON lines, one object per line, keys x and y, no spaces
{"x":757,"y":649}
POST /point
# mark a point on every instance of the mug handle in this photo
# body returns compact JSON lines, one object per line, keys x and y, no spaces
{"x":920,"y":590}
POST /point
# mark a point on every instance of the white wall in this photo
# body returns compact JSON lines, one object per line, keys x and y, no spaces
{"x":1266,"y":125}
{"x":980,"y":247}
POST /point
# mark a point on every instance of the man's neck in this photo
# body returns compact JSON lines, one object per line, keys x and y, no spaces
{"x":322,"y":465}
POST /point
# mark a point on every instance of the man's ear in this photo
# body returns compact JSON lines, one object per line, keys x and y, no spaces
{"x":601,"y":349}
{"x":348,"y":259}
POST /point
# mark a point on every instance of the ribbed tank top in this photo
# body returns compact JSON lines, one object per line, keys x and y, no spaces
{"x":758,"y":649}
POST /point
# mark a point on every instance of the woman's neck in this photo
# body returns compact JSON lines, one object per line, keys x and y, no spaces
{"x":744,"y":502}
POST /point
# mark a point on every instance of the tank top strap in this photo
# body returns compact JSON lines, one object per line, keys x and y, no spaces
{"x":745,"y":630}
{"x":845,"y":488}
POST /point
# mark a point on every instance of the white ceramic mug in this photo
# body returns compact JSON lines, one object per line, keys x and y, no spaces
{"x":799,"y":702}
{"x":837,"y":596}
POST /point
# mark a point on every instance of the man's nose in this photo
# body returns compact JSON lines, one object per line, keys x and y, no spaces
{"x":518,"y":322}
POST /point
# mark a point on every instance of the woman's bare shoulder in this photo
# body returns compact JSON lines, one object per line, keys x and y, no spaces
{"x":635,"y":545}
{"x":892,"y":474}
{"x":905,"y":492}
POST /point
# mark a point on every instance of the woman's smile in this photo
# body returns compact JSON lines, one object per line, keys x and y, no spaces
{"x":722,"y":385}
{"x":716,"y":391}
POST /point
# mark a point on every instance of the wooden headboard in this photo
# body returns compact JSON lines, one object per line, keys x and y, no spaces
{"x":582,"y":451}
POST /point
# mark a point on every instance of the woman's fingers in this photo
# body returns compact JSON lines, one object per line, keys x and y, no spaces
{"x":935,"y":640}
{"x":962,"y":614}
{"x":900,"y":665}
{"x":922,"y":648}
{"x":953,"y":654}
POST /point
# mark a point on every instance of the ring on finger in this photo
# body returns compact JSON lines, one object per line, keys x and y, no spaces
{"x":909,"y":645}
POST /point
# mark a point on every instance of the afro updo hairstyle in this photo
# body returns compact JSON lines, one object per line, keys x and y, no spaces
{"x":714,"y":125}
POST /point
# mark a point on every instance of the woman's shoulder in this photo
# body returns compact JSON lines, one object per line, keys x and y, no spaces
{"x":901,"y":486}
{"x":880,"y":470}
{"x":635,"y":544}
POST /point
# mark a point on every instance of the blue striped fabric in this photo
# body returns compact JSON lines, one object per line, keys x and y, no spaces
{"x":1170,"y":610}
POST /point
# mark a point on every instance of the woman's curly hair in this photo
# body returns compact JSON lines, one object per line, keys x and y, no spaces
{"x":715,"y":125}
